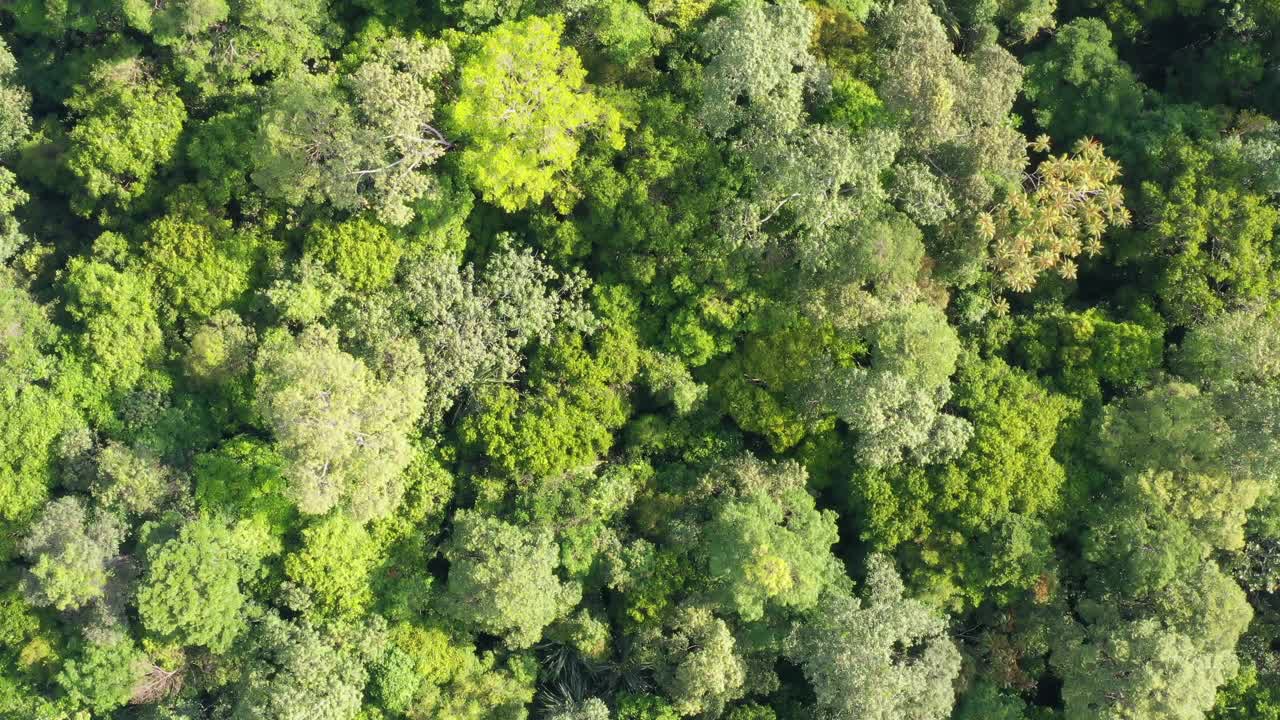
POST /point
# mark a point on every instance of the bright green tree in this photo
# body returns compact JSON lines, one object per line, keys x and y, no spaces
{"x":102,"y":676}
{"x":1236,"y":347}
{"x":1172,"y":427}
{"x":429,"y":672}
{"x":1209,"y":237}
{"x":975,"y":525}
{"x":1233,"y":359}
{"x":244,"y":479}
{"x":523,"y":108}
{"x":221,"y":349}
{"x":1161,"y":619}
{"x":565,"y":419}
{"x":475,"y":15}
{"x":200,"y":265}
{"x":644,"y":707}
{"x":362,"y":253}
{"x":582,"y":507}
{"x":118,"y":336}
{"x":191,"y":592}
{"x":624,"y":31}
{"x":1082,"y":351}
{"x":31,"y":414}
{"x":1249,"y":696}
{"x":127,"y":128}
{"x":334,"y":564}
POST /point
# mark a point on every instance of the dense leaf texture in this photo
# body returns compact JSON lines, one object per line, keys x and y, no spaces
{"x":639,"y":360}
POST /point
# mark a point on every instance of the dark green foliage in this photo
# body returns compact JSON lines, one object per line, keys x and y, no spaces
{"x":1079,"y":81}
{"x":979,"y":524}
{"x":1085,"y":352}
{"x":639,"y":360}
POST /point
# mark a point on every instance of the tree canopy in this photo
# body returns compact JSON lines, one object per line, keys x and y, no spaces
{"x":639,"y":360}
